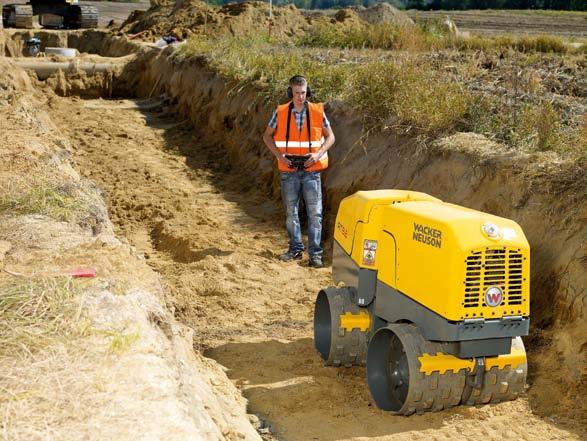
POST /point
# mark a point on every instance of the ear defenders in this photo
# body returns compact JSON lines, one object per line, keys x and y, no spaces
{"x":290,"y":91}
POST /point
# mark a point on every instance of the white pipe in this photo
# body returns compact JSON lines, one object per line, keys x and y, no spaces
{"x":44,"y":69}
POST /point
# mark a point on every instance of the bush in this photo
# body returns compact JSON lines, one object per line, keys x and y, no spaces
{"x":407,"y":96}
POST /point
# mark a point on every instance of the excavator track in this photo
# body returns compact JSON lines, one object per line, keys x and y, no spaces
{"x":18,"y":16}
{"x":83,"y":16}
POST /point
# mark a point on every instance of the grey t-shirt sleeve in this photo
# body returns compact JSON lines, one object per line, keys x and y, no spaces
{"x":325,"y":122}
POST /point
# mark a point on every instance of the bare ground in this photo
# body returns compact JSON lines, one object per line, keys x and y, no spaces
{"x":214,"y":238}
{"x":494,"y":22}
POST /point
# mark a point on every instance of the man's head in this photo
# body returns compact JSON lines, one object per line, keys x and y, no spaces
{"x":298,"y":90}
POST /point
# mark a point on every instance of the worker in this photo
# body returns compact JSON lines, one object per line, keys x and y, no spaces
{"x":299,"y":135}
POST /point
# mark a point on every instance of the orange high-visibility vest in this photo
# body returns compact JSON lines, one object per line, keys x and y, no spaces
{"x":300,"y":142}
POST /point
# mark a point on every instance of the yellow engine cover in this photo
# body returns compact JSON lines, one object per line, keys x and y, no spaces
{"x":458,"y":262}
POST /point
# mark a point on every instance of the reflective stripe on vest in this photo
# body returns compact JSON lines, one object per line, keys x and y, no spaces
{"x":298,"y":143}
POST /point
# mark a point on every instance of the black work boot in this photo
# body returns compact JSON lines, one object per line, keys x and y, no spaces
{"x":316,"y":262}
{"x":291,"y":255}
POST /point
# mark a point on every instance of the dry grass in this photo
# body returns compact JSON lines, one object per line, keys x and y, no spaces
{"x":376,"y":36}
{"x":427,"y":36}
{"x":35,"y":314}
{"x":407,"y":92}
{"x":22,"y":196}
{"x":540,"y":44}
{"x":540,"y":126}
{"x":401,"y":95}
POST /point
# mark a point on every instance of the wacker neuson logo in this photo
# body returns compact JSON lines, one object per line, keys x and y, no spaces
{"x":427,"y":235}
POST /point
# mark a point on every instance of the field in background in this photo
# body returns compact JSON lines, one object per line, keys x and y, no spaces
{"x":496,"y":22}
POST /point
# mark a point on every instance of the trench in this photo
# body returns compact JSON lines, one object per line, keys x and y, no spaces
{"x":209,"y":221}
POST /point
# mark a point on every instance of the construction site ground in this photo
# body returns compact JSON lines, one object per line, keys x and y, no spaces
{"x":192,"y":309}
{"x":250,"y":312}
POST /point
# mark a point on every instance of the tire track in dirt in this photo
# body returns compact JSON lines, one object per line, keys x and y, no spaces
{"x":215,"y":239}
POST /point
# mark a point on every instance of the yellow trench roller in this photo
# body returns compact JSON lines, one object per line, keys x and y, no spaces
{"x":433,"y":298}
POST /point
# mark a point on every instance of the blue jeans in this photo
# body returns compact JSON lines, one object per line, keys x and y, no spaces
{"x":307,"y":185}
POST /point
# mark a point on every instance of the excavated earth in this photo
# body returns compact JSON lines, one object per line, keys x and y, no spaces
{"x":188,"y":184}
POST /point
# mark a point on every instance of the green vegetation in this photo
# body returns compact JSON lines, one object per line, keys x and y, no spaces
{"x":120,"y":342}
{"x":37,"y":313}
{"x":410,"y":91}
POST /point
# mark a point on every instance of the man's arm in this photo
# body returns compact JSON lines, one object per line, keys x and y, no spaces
{"x":328,"y":141}
{"x":270,"y":143}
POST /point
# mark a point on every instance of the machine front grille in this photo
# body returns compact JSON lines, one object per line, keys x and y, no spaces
{"x":488,"y":267}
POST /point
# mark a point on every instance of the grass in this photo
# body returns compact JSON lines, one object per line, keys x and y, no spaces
{"x":426,"y":36}
{"x":35,"y":314}
{"x":39,"y":198}
{"x":527,"y":44}
{"x":400,"y":96}
{"x":403,"y":91}
{"x":376,"y":36}
{"x":119,"y":341}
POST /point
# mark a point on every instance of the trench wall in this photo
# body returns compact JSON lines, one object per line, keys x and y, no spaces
{"x":13,"y":42}
{"x":545,"y":195}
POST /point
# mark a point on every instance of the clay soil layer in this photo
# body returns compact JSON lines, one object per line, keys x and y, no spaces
{"x":215,"y":237}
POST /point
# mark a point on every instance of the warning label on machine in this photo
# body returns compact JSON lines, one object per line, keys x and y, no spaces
{"x":369,"y":251}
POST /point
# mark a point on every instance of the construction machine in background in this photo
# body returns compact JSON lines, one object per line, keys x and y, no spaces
{"x":435,"y":301}
{"x":56,"y":14}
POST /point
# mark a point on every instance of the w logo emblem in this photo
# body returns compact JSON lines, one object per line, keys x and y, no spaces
{"x":493,"y":296}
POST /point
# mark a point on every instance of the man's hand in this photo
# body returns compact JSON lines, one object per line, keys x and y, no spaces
{"x":281,"y":158}
{"x":314,"y":158}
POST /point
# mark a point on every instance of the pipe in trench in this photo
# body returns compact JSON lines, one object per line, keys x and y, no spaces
{"x":45,"y":69}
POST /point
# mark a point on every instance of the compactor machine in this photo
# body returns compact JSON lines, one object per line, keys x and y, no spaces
{"x":55,"y":14}
{"x":431,"y":296}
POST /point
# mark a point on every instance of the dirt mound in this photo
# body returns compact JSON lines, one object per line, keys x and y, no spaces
{"x":384,"y":13}
{"x":13,"y":79}
{"x":194,"y":17}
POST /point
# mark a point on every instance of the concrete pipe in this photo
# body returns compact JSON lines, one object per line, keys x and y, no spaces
{"x":44,"y":69}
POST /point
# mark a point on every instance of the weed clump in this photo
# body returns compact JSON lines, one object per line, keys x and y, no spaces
{"x":540,"y":126}
{"x":41,"y":199}
{"x":35,"y":314}
{"x":402,"y":96}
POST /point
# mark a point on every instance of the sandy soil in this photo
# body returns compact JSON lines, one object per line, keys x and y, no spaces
{"x":96,"y":358}
{"x":214,"y":237}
